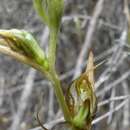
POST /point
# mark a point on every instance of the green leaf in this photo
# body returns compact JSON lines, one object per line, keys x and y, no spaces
{"x":41,"y":10}
{"x":50,"y":11}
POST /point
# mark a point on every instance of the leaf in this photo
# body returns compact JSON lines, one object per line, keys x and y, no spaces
{"x":50,"y":11}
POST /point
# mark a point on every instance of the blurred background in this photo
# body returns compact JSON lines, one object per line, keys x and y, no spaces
{"x":99,"y":25}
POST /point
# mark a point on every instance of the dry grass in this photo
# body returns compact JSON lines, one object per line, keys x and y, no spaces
{"x":99,"y":25}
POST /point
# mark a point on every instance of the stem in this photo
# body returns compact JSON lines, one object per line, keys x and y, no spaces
{"x":53,"y":76}
{"x":52,"y":49}
{"x":60,"y":97}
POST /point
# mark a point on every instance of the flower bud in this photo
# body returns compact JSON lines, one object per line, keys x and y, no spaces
{"x":51,"y":12}
{"x":23,"y":43}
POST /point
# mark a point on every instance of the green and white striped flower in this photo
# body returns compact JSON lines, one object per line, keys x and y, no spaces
{"x":22,"y":42}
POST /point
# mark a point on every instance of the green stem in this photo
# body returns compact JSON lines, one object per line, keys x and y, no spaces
{"x":60,"y":97}
{"x":53,"y":76}
{"x":52,"y":49}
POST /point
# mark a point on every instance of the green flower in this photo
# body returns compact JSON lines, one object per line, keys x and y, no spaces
{"x":81,"y":99}
{"x":22,"y":42}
